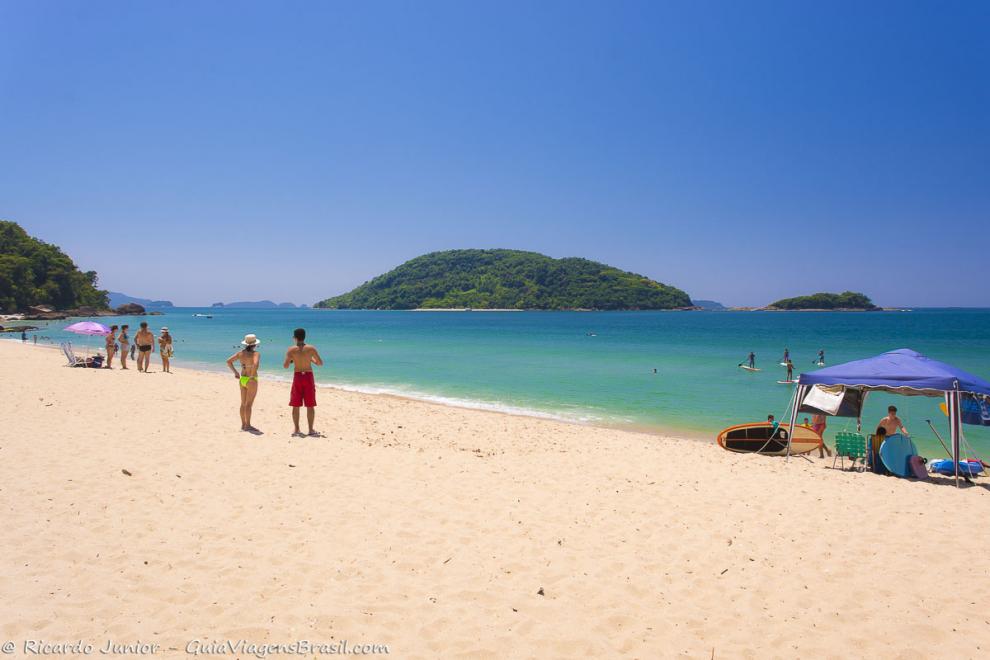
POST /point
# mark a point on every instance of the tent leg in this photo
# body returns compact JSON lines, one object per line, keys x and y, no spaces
{"x":952,"y":403}
{"x":799,"y":391}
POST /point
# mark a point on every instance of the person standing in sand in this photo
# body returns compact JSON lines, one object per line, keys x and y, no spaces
{"x":302,"y":356}
{"x":124,"y":345}
{"x":165,"y":349}
{"x":892,"y":424}
{"x":111,"y":345}
{"x":818,"y":426}
{"x":247,"y":378}
{"x":145,"y":341}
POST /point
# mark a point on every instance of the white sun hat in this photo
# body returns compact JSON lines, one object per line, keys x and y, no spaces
{"x":250,"y":340}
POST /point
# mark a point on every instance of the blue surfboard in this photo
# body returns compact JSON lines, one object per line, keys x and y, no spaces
{"x":895,"y":453}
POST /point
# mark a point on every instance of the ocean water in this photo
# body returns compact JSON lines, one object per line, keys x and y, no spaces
{"x":595,"y":367}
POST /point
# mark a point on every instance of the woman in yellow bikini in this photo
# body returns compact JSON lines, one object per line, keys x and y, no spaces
{"x":247,"y":378}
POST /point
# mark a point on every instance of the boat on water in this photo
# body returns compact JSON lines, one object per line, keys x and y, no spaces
{"x":203,"y":316}
{"x":768,"y":440}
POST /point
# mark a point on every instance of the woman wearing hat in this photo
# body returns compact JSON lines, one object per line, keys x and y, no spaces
{"x":165,"y":349}
{"x":247,"y":378}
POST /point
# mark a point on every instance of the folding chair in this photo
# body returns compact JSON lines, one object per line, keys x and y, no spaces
{"x":851,"y":446}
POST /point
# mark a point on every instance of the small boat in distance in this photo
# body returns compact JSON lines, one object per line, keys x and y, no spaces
{"x":765,"y":439}
{"x":204,"y":316}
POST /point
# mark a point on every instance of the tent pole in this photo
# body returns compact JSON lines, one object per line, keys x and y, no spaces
{"x":859,"y":415}
{"x":798,"y":397}
{"x":952,"y":402}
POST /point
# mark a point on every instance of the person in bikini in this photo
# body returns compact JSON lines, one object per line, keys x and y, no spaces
{"x":165,"y":349}
{"x":303,"y":356}
{"x":145,"y":341}
{"x":111,"y":345}
{"x":124,"y":345}
{"x":247,"y":378}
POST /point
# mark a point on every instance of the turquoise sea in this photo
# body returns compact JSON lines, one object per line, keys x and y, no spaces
{"x":593,"y":366}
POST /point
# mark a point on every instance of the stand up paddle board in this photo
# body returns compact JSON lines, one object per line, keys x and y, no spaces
{"x":786,"y":382}
{"x":768,"y":440}
{"x":743,"y":366}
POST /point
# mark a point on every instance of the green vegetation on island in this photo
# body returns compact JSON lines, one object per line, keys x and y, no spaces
{"x":845,"y":300}
{"x":507,"y":279}
{"x":33,"y":272}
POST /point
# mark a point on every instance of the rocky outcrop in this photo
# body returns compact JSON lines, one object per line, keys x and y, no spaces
{"x":130,"y":309}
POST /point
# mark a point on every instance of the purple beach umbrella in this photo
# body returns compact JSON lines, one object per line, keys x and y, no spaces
{"x":88,"y":328}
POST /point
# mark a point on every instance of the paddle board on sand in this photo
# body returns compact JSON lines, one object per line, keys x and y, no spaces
{"x":743,"y":366}
{"x":764,"y":438}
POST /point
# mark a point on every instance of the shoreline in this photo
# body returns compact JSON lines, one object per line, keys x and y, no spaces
{"x":450,"y":402}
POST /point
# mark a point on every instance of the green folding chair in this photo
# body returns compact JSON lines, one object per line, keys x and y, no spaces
{"x":851,"y":446}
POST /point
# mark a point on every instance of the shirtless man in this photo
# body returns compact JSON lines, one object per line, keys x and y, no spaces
{"x":892,"y":423}
{"x":303,"y":356}
{"x":145,"y":342}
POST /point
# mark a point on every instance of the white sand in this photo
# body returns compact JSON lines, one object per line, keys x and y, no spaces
{"x":432,"y":529}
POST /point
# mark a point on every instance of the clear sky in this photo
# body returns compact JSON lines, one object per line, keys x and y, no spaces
{"x":742,"y":151}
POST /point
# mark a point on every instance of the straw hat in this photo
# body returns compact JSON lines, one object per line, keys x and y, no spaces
{"x":250,"y":340}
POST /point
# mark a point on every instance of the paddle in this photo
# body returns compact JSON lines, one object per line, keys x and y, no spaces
{"x":949,"y":453}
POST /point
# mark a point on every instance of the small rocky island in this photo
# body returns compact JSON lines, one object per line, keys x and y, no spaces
{"x":847,"y":301}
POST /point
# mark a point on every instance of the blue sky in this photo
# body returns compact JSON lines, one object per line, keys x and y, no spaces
{"x":741,"y":151}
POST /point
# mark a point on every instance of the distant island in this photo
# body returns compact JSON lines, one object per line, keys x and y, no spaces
{"x":34,"y":273}
{"x":257,"y":304}
{"x":117,"y":299}
{"x":848,"y":300}
{"x":709,"y":305}
{"x":508,"y":279}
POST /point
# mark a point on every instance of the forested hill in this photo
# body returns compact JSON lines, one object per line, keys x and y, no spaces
{"x":33,"y":272}
{"x":508,"y":279}
{"x":845,"y":300}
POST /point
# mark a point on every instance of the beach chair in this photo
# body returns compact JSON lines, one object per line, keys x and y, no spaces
{"x":851,"y":446}
{"x":75,"y":360}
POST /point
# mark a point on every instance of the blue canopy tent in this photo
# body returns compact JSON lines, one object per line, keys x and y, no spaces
{"x":904,"y":372}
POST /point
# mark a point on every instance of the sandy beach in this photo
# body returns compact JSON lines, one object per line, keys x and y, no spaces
{"x":135,"y":510}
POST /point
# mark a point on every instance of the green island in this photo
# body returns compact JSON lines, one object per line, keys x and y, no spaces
{"x":847,"y":300}
{"x":33,"y":272}
{"x":508,"y":279}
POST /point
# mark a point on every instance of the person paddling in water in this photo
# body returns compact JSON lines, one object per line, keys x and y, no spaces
{"x":821,"y":358}
{"x":790,"y":370}
{"x":751,"y":360}
{"x":787,"y":357}
{"x":303,"y":356}
{"x":247,"y":378}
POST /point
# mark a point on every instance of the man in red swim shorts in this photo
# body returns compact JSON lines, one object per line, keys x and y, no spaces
{"x":303,"y":356}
